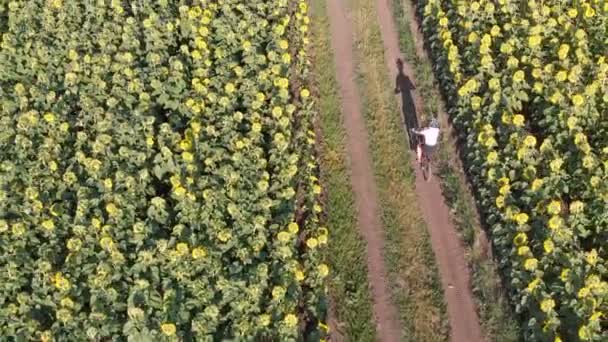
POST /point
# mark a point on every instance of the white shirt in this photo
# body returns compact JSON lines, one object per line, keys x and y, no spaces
{"x":431,"y":135}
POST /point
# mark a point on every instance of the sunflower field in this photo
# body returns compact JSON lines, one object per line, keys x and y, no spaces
{"x":527,"y":89}
{"x":157,"y":172}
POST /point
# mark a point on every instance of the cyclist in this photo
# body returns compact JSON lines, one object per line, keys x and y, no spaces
{"x":431,"y":136}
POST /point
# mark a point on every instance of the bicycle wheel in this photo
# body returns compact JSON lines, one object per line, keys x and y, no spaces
{"x":426,"y":169}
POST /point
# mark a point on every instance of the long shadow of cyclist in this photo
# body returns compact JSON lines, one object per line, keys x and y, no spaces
{"x":404,"y":86}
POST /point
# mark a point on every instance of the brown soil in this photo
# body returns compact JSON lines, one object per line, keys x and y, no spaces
{"x":362,"y":176}
{"x":449,"y":252}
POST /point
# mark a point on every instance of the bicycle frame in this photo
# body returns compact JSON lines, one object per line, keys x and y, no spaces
{"x":423,"y":159}
{"x":419,"y":150}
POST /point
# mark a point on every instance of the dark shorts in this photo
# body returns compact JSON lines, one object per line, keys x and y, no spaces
{"x":428,"y":150}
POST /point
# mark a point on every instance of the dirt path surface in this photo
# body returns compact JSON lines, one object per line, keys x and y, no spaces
{"x":447,"y":246}
{"x":362,"y":177}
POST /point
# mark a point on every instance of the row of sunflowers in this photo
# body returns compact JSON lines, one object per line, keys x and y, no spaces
{"x":157,"y":172}
{"x":526,"y":86}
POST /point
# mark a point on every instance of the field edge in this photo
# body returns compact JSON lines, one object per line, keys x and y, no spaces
{"x":497,"y":317}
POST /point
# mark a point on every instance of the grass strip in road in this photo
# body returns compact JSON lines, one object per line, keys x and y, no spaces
{"x":348,"y":286}
{"x":497,"y":318}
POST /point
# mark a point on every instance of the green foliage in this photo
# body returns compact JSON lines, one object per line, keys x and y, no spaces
{"x":157,"y":175}
{"x":526,"y":85}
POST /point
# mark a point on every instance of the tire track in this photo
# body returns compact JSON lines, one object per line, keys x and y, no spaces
{"x":363,"y":180}
{"x":447,"y":246}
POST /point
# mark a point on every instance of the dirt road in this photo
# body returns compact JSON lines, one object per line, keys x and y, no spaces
{"x":449,"y":252}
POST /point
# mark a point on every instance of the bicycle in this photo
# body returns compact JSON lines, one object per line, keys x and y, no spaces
{"x":424,"y":160}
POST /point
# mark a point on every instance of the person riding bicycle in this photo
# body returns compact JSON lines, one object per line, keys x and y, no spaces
{"x":431,"y":136}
